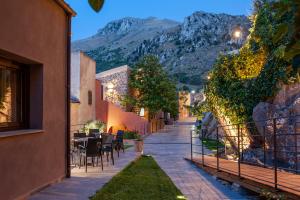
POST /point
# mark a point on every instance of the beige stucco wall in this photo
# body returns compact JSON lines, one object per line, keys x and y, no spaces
{"x":184,"y":100}
{"x":74,"y":117}
{"x":34,"y":32}
{"x":83,"y":71}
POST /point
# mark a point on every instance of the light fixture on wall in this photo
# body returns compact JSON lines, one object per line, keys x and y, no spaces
{"x":110,"y":86}
{"x":142,"y":112}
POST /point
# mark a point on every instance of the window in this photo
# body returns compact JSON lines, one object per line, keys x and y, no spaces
{"x":90,"y":97}
{"x":12,"y":96}
{"x":101,"y":93}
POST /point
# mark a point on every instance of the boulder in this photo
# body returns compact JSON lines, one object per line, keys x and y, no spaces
{"x":285,"y":108}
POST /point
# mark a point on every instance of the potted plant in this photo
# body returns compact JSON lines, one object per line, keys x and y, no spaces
{"x":139,"y":144}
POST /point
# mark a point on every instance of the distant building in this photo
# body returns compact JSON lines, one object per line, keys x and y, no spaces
{"x":34,"y":95}
{"x":184,"y":102}
{"x":83,"y":74}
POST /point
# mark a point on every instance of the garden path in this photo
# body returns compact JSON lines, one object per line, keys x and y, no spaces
{"x":194,"y":183}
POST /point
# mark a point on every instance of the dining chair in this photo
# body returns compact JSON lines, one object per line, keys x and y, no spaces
{"x":93,"y":132}
{"x":119,"y":144}
{"x":91,"y":150}
{"x":108,"y":146}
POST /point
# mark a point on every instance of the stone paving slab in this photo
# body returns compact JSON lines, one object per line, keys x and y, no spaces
{"x":194,"y":183}
{"x":83,"y":185}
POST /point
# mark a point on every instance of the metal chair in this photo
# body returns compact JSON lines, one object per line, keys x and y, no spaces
{"x":108,"y":146}
{"x":119,"y":144}
{"x":92,"y":150}
{"x":93,"y":132}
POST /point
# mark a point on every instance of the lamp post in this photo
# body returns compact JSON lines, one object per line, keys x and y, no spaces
{"x":205,"y":86}
{"x":237,"y":35}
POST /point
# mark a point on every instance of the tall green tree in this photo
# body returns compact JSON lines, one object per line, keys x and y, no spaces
{"x":154,"y":90}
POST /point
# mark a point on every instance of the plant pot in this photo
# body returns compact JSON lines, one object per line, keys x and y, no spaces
{"x":139,"y":145}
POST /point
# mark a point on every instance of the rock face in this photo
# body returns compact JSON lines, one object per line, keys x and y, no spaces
{"x":286,"y":108}
{"x":187,"y":50}
{"x":210,"y":125}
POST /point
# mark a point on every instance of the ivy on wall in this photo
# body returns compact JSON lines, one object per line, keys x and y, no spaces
{"x":268,"y":59}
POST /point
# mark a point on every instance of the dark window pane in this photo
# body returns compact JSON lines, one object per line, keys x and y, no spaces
{"x":90,"y":97}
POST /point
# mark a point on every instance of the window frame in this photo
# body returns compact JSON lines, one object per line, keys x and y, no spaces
{"x":22,"y":101}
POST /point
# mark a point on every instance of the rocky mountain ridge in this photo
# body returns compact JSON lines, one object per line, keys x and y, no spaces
{"x":187,"y":50}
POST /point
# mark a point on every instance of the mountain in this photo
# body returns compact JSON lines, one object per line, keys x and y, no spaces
{"x":187,"y":50}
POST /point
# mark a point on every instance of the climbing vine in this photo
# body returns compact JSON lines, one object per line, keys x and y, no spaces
{"x":269,"y":58}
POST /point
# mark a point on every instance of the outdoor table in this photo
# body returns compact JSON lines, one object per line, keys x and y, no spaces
{"x":84,"y":140}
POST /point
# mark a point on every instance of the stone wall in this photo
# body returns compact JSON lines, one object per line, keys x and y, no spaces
{"x":115,"y":83}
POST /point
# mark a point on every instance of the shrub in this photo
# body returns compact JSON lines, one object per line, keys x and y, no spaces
{"x":93,"y":124}
{"x":239,"y":82}
{"x":131,"y":135}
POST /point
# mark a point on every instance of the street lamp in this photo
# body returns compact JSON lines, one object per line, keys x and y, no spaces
{"x":237,"y":34}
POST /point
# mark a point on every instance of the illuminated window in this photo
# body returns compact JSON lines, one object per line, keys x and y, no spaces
{"x":12,"y":96}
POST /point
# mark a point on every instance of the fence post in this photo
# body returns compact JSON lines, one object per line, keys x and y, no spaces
{"x":218,"y":164}
{"x":275,"y":152}
{"x":239,"y":156}
{"x":264,"y":140}
{"x":202,"y":147}
{"x":191,"y":145}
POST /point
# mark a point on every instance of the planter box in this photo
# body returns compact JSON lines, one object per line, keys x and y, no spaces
{"x":139,"y":145}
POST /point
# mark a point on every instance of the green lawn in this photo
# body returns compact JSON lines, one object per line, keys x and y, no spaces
{"x":141,"y":180}
{"x":211,"y":144}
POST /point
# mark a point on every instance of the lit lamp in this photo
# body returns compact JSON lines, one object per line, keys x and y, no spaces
{"x":237,"y":34}
{"x":142,"y":112}
{"x":193,"y":92}
{"x":110,"y":86}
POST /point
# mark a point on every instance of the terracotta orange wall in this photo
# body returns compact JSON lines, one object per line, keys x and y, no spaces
{"x":114,"y":116}
{"x":35,"y":30}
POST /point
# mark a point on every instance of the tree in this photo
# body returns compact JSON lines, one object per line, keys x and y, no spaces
{"x":152,"y":88}
{"x":96,"y":4}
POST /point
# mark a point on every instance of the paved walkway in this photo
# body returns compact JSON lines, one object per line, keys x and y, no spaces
{"x":193,"y":182}
{"x":83,"y":185}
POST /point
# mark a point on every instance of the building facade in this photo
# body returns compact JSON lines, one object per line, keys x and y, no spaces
{"x":34,"y":94}
{"x":83,"y":75}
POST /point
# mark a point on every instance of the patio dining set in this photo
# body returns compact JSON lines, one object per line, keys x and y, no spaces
{"x":95,"y":145}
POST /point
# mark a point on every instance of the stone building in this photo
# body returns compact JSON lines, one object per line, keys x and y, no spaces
{"x":114,"y":83}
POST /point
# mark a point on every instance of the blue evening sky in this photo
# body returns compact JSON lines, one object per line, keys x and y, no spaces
{"x":87,"y":22}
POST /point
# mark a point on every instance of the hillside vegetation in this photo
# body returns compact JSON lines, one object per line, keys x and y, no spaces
{"x":269,"y":58}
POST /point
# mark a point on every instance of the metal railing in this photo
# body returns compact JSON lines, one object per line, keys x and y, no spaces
{"x":272,"y":144}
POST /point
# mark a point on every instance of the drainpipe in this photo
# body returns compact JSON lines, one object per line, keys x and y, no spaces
{"x":68,"y":95}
